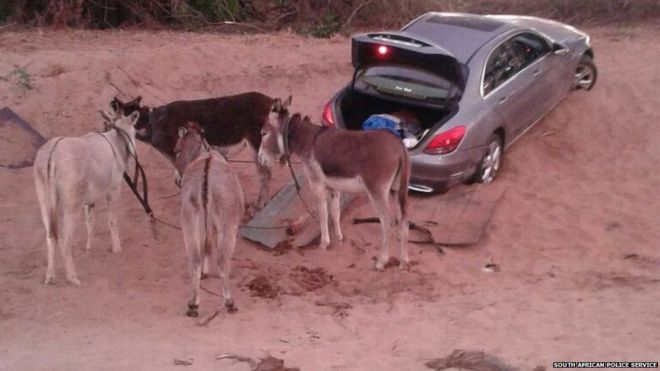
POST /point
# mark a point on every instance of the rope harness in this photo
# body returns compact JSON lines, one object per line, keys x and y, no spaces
{"x":287,"y":157}
{"x":139,"y":173}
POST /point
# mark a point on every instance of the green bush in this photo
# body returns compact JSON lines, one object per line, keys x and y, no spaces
{"x":5,"y":12}
{"x":219,"y":10}
{"x":329,"y":26}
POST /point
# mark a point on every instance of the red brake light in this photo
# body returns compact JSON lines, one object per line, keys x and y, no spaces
{"x":328,"y":117}
{"x":446,"y":142}
{"x":383,"y":50}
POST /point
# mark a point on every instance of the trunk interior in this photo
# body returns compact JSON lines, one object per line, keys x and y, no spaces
{"x":356,"y":107}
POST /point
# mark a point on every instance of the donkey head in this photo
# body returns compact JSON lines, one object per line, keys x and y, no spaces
{"x":126,"y":108}
{"x":189,"y":145}
{"x":125,"y":126}
{"x":272,"y":136}
{"x":109,"y":119}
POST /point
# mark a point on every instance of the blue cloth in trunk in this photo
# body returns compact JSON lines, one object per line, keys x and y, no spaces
{"x":387,"y":122}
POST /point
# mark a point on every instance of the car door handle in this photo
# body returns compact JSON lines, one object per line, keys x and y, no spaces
{"x":536,"y":72}
{"x":502,"y":100}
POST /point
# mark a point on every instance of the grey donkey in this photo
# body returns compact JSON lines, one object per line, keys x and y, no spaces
{"x":212,"y":207}
{"x":74,"y":173}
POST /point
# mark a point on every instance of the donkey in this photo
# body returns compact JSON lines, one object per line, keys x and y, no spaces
{"x":74,"y":173}
{"x":337,"y":160}
{"x":211,"y":210}
{"x":226,"y":121}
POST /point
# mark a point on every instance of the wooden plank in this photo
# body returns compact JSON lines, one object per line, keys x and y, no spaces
{"x":286,"y":220}
{"x":20,"y":141}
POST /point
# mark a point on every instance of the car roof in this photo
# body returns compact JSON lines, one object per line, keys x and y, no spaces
{"x":460,"y":34}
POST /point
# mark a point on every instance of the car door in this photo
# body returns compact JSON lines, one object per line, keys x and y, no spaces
{"x":538,"y":64}
{"x":506,"y":86}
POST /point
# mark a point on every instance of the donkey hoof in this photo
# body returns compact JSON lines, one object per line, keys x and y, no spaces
{"x":49,"y":280}
{"x":231,"y":307}
{"x":380,"y":266}
{"x":74,"y":280}
{"x":192,"y":310}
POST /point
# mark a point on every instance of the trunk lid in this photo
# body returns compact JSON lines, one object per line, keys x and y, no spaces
{"x":396,"y":64}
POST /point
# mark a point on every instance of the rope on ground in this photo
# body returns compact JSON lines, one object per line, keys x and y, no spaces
{"x":430,"y":240}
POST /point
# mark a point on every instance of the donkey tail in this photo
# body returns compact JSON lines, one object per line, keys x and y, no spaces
{"x":404,"y":182}
{"x":49,"y":207}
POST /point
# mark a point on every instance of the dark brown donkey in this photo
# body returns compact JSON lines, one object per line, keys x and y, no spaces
{"x":226,"y":121}
{"x":337,"y":160}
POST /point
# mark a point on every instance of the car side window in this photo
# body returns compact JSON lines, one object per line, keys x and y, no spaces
{"x":530,"y":47}
{"x":504,"y":62}
{"x":512,"y":56}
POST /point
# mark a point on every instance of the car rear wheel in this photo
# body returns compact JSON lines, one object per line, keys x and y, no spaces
{"x":491,"y":162}
{"x":586,"y":74}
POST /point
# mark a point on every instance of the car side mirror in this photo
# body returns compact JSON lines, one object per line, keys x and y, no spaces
{"x":560,"y":50}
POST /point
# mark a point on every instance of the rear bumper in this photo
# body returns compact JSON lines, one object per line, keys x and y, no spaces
{"x":432,"y":173}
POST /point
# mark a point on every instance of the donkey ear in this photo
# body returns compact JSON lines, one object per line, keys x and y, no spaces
{"x":134,"y":116}
{"x":136,"y":100}
{"x":106,"y":116}
{"x":116,"y":104}
{"x":287,"y":102}
{"x":277,"y":105}
{"x":182,"y":131}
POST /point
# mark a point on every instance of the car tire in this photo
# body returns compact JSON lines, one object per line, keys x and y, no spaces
{"x":491,"y":162}
{"x":586,"y":74}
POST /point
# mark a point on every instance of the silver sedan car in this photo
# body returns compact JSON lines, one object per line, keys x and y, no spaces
{"x":460,"y":88}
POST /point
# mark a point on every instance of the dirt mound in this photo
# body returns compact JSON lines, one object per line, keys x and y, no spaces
{"x":311,"y":279}
{"x":261,"y":287}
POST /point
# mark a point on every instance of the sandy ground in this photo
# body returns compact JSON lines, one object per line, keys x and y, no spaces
{"x":575,"y":234}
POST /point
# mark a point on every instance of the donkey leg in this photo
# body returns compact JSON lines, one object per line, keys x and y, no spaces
{"x":226,"y":246}
{"x":264,"y":178}
{"x":322,"y":204}
{"x":51,"y":243}
{"x":89,"y":221}
{"x":65,"y":248}
{"x":254,"y":141}
{"x":192,"y":241}
{"x":206,"y":265}
{"x":51,"y":234}
{"x":335,"y":214}
{"x":112,"y":220}
{"x":380,"y":201}
{"x":403,"y":237}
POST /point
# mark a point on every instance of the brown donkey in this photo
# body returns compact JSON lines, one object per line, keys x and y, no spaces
{"x":337,"y":160}
{"x":211,"y":210}
{"x":226,"y":121}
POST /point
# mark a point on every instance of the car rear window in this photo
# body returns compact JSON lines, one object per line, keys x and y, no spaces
{"x":466,"y":21}
{"x":405,"y":81}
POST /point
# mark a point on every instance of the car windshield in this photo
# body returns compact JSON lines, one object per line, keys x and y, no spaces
{"x":405,"y":81}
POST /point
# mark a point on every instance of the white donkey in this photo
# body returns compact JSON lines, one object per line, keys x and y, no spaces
{"x":212,"y":206}
{"x":72,"y":173}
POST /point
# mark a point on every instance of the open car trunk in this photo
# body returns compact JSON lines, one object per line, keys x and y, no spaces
{"x":410,"y":86}
{"x":355,"y":108}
